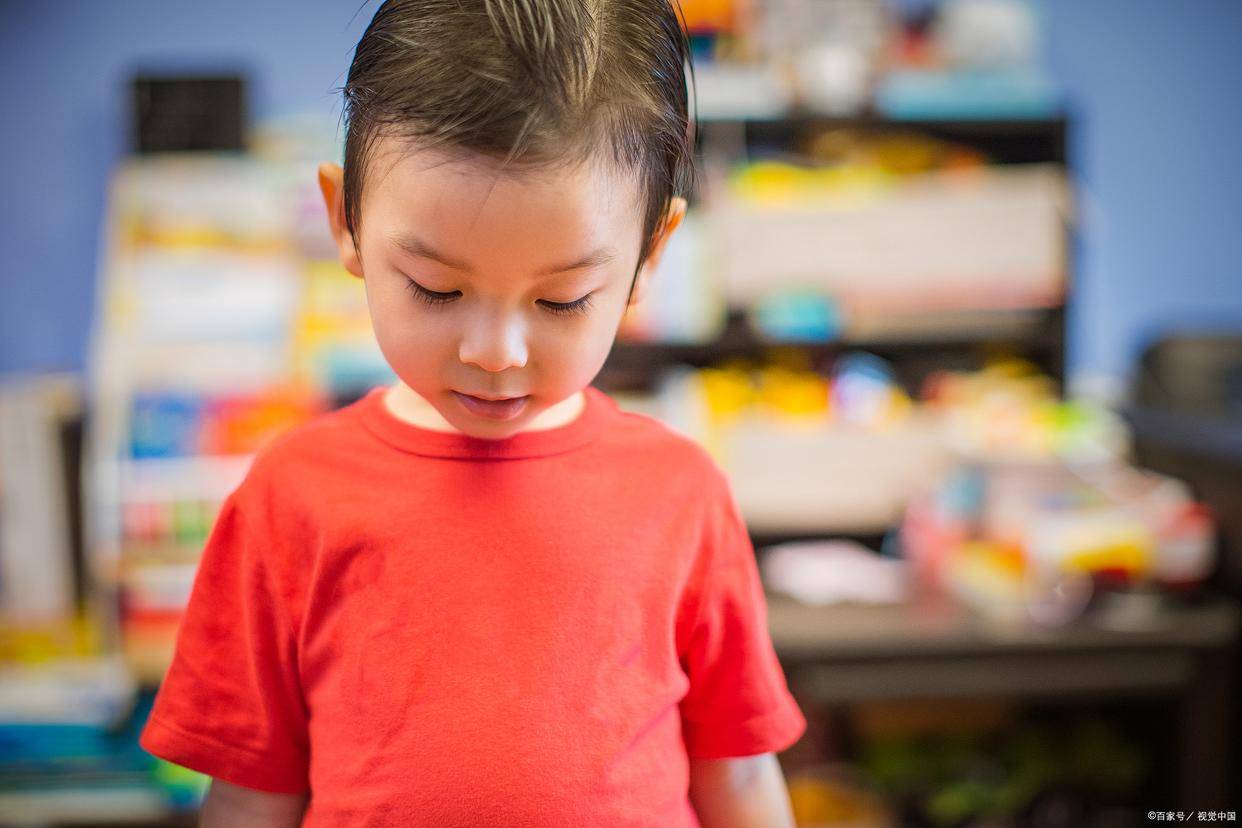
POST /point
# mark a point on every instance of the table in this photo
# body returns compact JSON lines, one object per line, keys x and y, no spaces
{"x":935,"y":649}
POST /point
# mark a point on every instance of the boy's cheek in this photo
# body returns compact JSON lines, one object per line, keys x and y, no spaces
{"x":409,"y":351}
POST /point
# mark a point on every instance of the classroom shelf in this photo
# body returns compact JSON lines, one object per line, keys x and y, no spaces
{"x":1037,"y":334}
{"x":1005,"y":140}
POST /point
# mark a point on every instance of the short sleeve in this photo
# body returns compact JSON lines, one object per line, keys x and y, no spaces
{"x":738,"y":702}
{"x":230,"y":705}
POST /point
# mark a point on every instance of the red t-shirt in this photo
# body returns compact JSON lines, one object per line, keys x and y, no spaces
{"x":426,"y":628}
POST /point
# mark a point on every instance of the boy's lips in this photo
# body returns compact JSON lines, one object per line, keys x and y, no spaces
{"x":489,"y":398}
{"x":494,"y":409}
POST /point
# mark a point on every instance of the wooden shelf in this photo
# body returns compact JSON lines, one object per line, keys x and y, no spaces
{"x":1005,"y":140}
{"x":941,"y":628}
{"x":1035,"y":334}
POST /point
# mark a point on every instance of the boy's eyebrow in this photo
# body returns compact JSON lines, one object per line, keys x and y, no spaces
{"x":417,"y":247}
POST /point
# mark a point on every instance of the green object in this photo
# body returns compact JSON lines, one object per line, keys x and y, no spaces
{"x":185,"y":788}
{"x":895,"y":765}
{"x":959,"y":800}
{"x":1101,"y":759}
{"x":963,"y":778}
{"x":185,"y":522}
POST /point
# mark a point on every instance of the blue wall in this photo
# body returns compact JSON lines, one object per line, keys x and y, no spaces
{"x":1149,"y":80}
{"x":67,"y":63}
{"x":1154,"y":87}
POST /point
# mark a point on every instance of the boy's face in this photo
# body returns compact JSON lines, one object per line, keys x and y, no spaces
{"x":493,"y":286}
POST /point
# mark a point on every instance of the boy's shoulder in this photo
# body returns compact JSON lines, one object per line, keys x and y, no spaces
{"x":647,"y":438}
{"x":308,"y":447}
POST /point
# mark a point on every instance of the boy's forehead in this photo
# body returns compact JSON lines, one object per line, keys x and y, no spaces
{"x":403,"y":172}
{"x":452,"y":199}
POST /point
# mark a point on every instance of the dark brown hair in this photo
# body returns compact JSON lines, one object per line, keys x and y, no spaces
{"x":528,"y":83}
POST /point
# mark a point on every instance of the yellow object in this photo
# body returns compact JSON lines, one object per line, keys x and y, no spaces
{"x":63,"y":638}
{"x":900,"y":407}
{"x":1130,"y":552}
{"x":773,"y":183}
{"x":989,"y":578}
{"x":333,"y":313}
{"x":829,"y":802}
{"x":1002,"y":558}
{"x":794,"y":393}
{"x":899,"y":153}
{"x":728,"y":391}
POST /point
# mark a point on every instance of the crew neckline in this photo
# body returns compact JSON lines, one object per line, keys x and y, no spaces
{"x":425,"y":441}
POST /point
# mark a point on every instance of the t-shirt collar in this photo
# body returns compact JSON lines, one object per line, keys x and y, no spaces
{"x":408,"y":437}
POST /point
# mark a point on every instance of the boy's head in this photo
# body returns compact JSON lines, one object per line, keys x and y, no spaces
{"x":505,"y":159}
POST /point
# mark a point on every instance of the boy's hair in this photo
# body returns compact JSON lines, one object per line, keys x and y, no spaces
{"x":529,"y":83}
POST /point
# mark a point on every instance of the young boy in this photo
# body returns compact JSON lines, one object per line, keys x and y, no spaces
{"x":486,"y":596}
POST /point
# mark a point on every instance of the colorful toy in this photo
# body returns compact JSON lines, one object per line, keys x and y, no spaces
{"x":865,"y":393}
{"x":797,"y":315}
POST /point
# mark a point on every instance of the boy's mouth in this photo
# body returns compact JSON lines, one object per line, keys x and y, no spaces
{"x":505,"y":409}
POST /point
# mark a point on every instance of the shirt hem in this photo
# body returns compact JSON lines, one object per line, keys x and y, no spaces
{"x":771,"y":733}
{"x":208,"y":756}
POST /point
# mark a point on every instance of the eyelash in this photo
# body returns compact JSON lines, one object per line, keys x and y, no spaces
{"x":431,"y":297}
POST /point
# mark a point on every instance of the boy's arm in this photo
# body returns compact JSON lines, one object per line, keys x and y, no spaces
{"x":232,"y":806}
{"x":742,"y":792}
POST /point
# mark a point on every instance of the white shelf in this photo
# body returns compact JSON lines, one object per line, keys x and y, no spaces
{"x":86,"y":806}
{"x":162,"y":479}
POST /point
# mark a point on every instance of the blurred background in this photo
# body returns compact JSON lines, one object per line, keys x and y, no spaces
{"x":957,"y":305}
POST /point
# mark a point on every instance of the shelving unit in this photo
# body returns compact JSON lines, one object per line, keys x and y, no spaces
{"x":921,"y":344}
{"x":200,"y":279}
{"x":844,"y":655}
{"x":959,"y":341}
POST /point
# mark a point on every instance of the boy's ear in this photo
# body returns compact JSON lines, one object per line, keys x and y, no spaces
{"x":672,"y":217}
{"x":332,"y":185}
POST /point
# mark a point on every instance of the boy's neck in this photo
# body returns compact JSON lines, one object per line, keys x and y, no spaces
{"x":409,"y":406}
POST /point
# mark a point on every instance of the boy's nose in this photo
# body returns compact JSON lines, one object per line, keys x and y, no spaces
{"x":494,"y":347}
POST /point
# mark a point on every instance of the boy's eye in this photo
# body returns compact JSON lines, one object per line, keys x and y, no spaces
{"x":576,"y":306}
{"x":433,"y":297}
